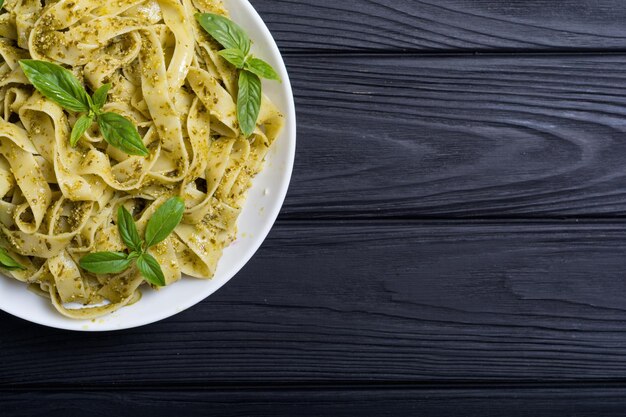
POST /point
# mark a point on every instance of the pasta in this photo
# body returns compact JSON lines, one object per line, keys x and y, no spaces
{"x":59,"y":203}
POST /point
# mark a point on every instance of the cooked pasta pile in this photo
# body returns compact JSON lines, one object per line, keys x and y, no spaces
{"x":59,"y":203}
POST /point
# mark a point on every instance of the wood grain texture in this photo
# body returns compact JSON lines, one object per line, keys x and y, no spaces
{"x":444,"y":25}
{"x":408,"y":112}
{"x":333,"y":302}
{"x":488,"y":136}
{"x":316,"y":402}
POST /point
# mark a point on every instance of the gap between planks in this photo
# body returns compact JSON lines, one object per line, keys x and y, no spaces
{"x":458,"y":53}
{"x":227,"y":386}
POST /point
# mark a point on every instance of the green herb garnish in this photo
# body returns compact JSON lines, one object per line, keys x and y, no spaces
{"x":7,"y":262}
{"x":161,"y":224}
{"x":60,"y":85}
{"x":150,"y":269}
{"x":121,"y":133}
{"x":229,"y":34}
{"x":80,"y":127}
{"x":128,"y":230}
{"x":248,"y":101}
{"x":164,"y":220}
{"x":100,"y":95}
{"x":237,"y":51}
{"x":234,"y":56}
{"x":261,"y":68}
{"x":105,"y":262}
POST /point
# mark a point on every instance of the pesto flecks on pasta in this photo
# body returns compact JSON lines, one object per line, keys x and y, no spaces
{"x":154,"y":125}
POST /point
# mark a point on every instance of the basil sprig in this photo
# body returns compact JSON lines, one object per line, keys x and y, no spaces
{"x":60,"y":85}
{"x":161,"y":224}
{"x":7,"y":262}
{"x":237,"y":51}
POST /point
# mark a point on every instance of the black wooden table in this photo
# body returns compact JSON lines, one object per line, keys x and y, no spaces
{"x":453,"y":243}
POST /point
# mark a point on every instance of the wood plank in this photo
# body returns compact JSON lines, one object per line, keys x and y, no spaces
{"x":385,"y":301}
{"x":487,"y":136}
{"x":444,"y":25}
{"x":337,"y":402}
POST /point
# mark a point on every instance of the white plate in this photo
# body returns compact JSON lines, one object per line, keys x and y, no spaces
{"x":261,"y":209}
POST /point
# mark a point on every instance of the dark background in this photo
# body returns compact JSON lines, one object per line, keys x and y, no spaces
{"x":453,"y":242}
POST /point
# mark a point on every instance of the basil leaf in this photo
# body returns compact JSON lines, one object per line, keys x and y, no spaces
{"x":164,"y":220}
{"x":56,"y":83}
{"x":234,"y":56}
{"x":225,"y":31}
{"x":261,"y":68}
{"x":105,"y":262}
{"x":128,"y":229}
{"x":121,"y":133}
{"x":80,"y":127}
{"x":100,"y":96}
{"x":133,"y":255}
{"x":7,"y":262}
{"x":248,"y":101}
{"x":1,"y":4}
{"x":150,"y":269}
